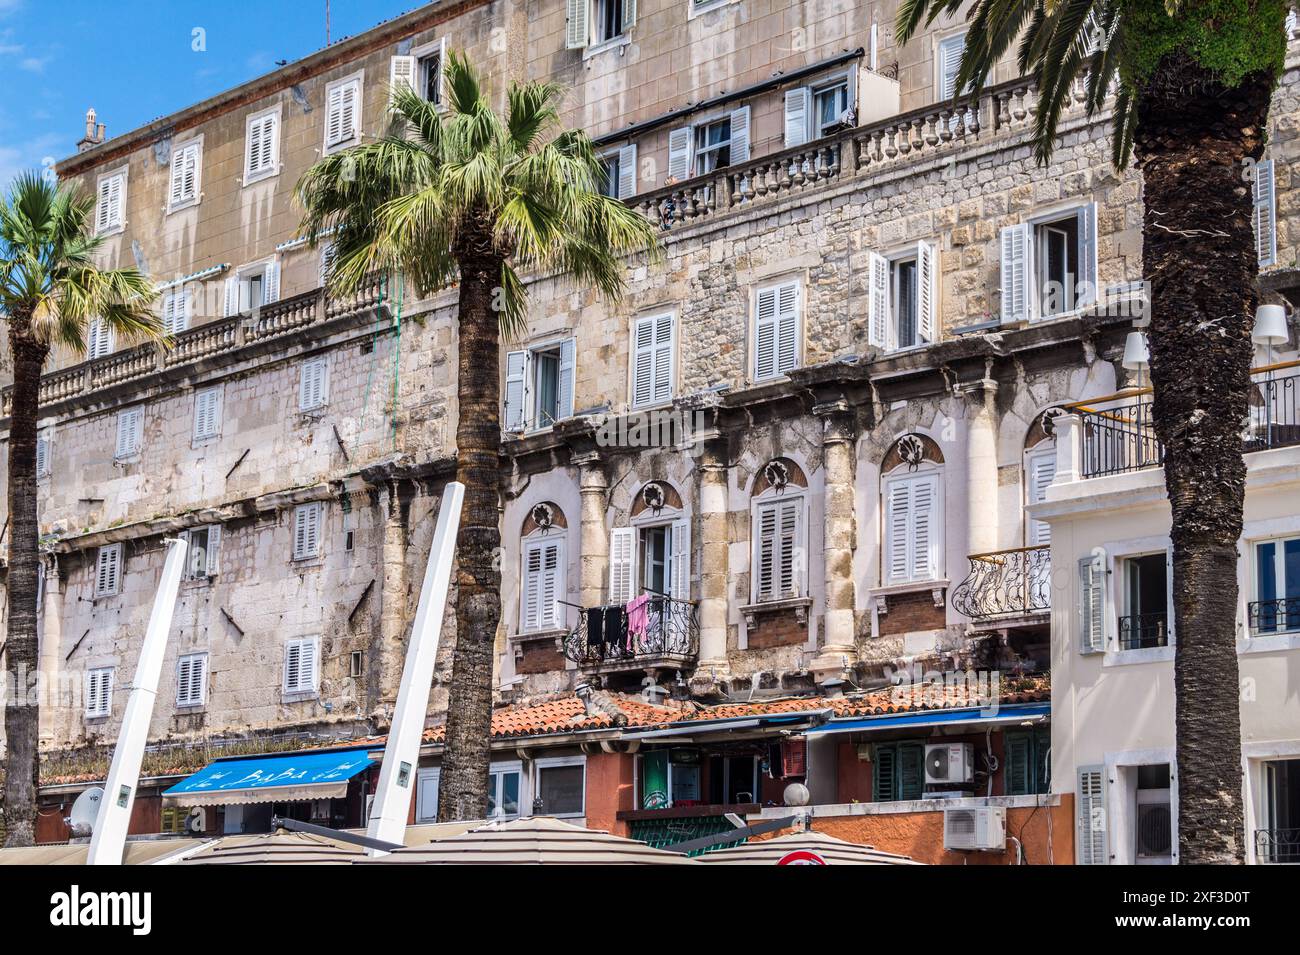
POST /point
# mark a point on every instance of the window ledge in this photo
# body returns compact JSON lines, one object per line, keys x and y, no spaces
{"x":299,"y":696}
{"x":262,"y":176}
{"x":556,"y":634}
{"x":938,"y":590}
{"x":1120,"y":658}
{"x":799,"y":605}
{"x":182,"y":206}
{"x":616,"y":43}
{"x":1269,"y":643}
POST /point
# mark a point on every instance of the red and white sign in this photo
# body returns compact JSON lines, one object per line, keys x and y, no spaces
{"x":801,"y":857}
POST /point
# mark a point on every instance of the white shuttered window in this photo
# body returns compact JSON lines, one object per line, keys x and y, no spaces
{"x":301,"y":666}
{"x":130,"y":428}
{"x":108,"y":570}
{"x":543,"y":584}
{"x":99,"y":692}
{"x":207,"y":413}
{"x":314,"y":384}
{"x":186,"y":172}
{"x":778,"y":329}
{"x":342,"y":112}
{"x":652,"y":368}
{"x":1264,"y":196}
{"x":622,"y":564}
{"x":192,"y":679}
{"x":262,"y":145}
{"x":110,"y":202}
{"x":779,"y":549}
{"x":913,"y":525}
{"x":1040,"y":471}
{"x":1092,"y":839}
{"x":307,"y":520}
{"x":1092,"y":604}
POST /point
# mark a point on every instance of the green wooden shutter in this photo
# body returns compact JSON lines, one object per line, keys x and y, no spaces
{"x":1042,"y":759}
{"x":883,"y":764}
{"x":911,"y":770}
{"x":1019,"y":765}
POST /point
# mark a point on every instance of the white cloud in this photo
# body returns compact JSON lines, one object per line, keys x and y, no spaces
{"x":34,"y":64}
{"x":29,"y":155}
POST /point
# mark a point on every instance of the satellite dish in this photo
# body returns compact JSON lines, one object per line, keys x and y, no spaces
{"x":85,"y":811}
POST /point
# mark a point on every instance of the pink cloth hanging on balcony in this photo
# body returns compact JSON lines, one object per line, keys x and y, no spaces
{"x":638,"y":620}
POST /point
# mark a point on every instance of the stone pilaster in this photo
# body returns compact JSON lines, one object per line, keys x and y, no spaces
{"x":715,"y":549}
{"x":49,"y":656}
{"x":981,"y":467}
{"x":839,"y":433}
{"x":593,"y":487}
{"x":396,"y":609}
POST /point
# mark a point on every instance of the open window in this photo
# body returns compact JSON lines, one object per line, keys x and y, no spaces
{"x":903,"y":299}
{"x":251,"y":287}
{"x":539,"y":386}
{"x":203,"y":559}
{"x":1049,"y":265}
{"x":709,"y":145}
{"x":561,"y":785}
{"x":1275,"y":607}
{"x":1144,"y":600}
{"x":619,"y":180}
{"x":1277,"y":840}
{"x":593,"y":23}
{"x":1153,"y":831}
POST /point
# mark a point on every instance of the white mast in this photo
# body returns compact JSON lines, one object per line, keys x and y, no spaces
{"x":402,"y":753}
{"x":109,"y":838}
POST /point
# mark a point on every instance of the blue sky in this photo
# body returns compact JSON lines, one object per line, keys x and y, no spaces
{"x":134,"y":60}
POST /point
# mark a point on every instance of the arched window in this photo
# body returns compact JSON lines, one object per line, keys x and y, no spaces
{"x":652,"y":554}
{"x":1039,"y":471}
{"x":542,"y":586}
{"x":912,"y":511}
{"x":779,"y":532}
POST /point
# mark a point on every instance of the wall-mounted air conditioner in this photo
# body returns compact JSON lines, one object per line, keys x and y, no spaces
{"x":949,"y":763}
{"x":980,"y":827}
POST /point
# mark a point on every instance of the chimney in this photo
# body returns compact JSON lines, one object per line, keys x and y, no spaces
{"x":94,"y":133}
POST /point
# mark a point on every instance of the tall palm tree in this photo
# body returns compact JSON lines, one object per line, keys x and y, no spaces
{"x":471,"y":196}
{"x":50,"y":290}
{"x":1192,"y":80}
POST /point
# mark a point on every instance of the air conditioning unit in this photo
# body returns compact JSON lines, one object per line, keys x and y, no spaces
{"x":980,"y":827}
{"x":949,"y":763}
{"x":1155,"y":838}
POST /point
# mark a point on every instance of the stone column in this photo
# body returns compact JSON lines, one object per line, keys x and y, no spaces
{"x":715,"y":549}
{"x":593,"y":487}
{"x":839,"y":431}
{"x":49,"y":655}
{"x":981,"y":467}
{"x":397,"y":610}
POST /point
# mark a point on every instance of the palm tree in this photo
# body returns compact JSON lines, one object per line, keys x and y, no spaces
{"x":50,"y":290}
{"x":470,"y":196}
{"x":1192,"y":84}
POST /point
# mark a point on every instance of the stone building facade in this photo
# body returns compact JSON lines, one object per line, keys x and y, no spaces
{"x":847,"y":375}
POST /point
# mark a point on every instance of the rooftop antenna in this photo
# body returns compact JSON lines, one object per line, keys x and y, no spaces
{"x":108,"y":840}
{"x":402,"y":751}
{"x":327,"y":22}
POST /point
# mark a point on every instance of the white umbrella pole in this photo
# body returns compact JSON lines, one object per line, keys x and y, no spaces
{"x":402,"y":753}
{"x":109,"y":838}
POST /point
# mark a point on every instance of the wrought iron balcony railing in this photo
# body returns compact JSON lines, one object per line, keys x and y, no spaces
{"x":603,"y":638}
{"x":1274,"y":419}
{"x":1277,"y":846}
{"x":1274,"y":616}
{"x":1006,"y":583}
{"x":1141,"y":631}
{"x":1116,"y":440}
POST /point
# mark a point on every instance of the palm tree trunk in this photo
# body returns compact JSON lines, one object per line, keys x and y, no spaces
{"x":1193,"y":143}
{"x":22,"y":712}
{"x":463,"y":786}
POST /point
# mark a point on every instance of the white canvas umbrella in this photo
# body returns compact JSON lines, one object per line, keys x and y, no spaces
{"x":830,"y":850}
{"x":538,"y":840}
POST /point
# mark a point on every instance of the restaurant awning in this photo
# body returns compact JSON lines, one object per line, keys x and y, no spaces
{"x":280,"y":778}
{"x":1011,"y":713}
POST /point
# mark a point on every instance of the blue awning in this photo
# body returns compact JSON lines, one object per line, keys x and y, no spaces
{"x":280,"y":778}
{"x":1012,"y":713}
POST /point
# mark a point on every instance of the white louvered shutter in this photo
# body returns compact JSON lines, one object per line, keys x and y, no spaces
{"x":109,"y":211}
{"x":263,"y":143}
{"x":341,"y":113}
{"x":207,"y":414}
{"x":789,"y":579}
{"x":766,"y":572}
{"x":950,"y":51}
{"x":271,"y":283}
{"x":652,"y":369}
{"x":577,"y":33}
{"x":292,"y":666}
{"x":629,"y":15}
{"x":1265,"y":214}
{"x":42,"y":454}
{"x":129,"y":424}
{"x":878,"y":303}
{"x":1017,"y":275}
{"x":307,"y":530}
{"x":627,"y":172}
{"x":532,"y":596}
{"x":679,"y":561}
{"x":1092,"y":604}
{"x":552,"y":584}
{"x":1087,"y":293}
{"x":622,"y":564}
{"x":898,"y":507}
{"x":516,"y":368}
{"x":798,"y":107}
{"x":185,"y":174}
{"x":108,"y":570}
{"x":99,"y":692}
{"x":679,"y":153}
{"x":401,"y":73}
{"x":191,"y":679}
{"x":212,"y":553}
{"x":1093,"y":841}
{"x":924,"y":529}
{"x":99,"y":340}
{"x":739,"y":135}
{"x":765,"y":334}
{"x":231,"y":295}
{"x":313,"y":384}
{"x":1041,"y":472}
{"x":564,"y":387}
{"x":927,"y":291}
{"x":787,"y":327}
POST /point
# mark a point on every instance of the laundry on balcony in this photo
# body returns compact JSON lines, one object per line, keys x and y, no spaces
{"x":648,"y":629}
